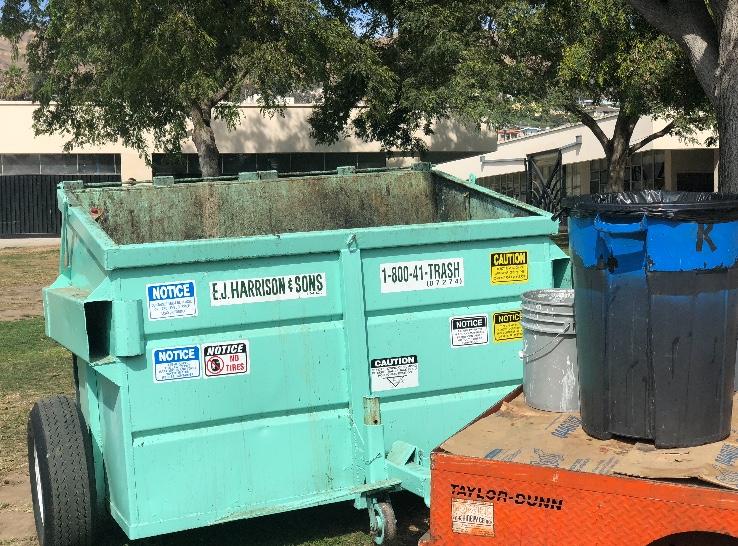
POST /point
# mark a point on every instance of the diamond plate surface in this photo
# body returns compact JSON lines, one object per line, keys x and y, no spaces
{"x":537,"y":506}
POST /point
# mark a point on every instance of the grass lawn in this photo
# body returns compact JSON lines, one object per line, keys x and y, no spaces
{"x":22,"y":274}
{"x":33,"y":366}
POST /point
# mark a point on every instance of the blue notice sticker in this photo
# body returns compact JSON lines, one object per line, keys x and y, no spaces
{"x":171,"y":300}
{"x":174,"y":363}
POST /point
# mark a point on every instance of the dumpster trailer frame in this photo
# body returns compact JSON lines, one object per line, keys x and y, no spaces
{"x":97,"y":309}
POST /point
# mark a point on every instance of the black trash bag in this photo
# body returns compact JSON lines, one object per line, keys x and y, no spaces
{"x":675,"y":205}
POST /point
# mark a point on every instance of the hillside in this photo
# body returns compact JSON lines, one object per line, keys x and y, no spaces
{"x":6,"y":52}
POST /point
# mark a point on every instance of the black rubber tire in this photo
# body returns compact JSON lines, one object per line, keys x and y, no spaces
{"x":389,"y":533}
{"x":57,"y":433}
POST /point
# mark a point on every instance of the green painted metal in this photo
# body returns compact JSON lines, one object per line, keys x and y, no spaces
{"x":163,"y":181}
{"x":310,"y":423}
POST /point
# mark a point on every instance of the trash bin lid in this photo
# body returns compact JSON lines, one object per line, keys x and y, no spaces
{"x":674,"y":205}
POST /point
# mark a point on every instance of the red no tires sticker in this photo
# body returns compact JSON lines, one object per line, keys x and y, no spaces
{"x":226,"y":358}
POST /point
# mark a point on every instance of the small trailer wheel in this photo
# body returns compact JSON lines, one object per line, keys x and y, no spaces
{"x":384,"y":528}
{"x":60,"y":468}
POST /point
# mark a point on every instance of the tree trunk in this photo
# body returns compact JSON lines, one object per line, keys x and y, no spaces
{"x":204,"y":139}
{"x":726,"y":91}
{"x":616,"y":163}
{"x":728,"y":129}
{"x":617,"y":151}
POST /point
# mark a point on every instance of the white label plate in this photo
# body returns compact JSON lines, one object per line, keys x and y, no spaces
{"x":176,"y":363}
{"x":473,"y":518}
{"x":170,"y":300}
{"x":394,"y":372}
{"x":469,"y":331}
{"x":285,"y":287}
{"x":226,"y":358}
{"x":421,"y":275}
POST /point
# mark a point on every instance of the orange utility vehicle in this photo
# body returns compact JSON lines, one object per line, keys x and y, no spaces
{"x":522,"y":477}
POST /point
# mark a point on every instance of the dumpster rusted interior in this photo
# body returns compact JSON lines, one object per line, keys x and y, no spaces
{"x":208,"y":210}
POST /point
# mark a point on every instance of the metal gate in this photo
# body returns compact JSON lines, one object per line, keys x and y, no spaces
{"x":546,"y":180}
{"x":28,"y":203}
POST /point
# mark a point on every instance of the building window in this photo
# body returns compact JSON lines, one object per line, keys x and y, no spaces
{"x":573,"y":179}
{"x":59,"y":164}
{"x":659,"y":179}
{"x":598,"y":176}
{"x":188,"y":165}
{"x":513,"y":185}
{"x":645,"y":171}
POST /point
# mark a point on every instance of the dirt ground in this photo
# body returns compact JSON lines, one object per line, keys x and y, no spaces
{"x":16,"y":512}
{"x":23,"y":273}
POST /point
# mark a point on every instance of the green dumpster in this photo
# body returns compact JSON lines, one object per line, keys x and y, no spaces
{"x":260,"y":344}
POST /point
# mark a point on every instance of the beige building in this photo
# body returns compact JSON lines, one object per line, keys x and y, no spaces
{"x":666,"y":163}
{"x":260,"y":142}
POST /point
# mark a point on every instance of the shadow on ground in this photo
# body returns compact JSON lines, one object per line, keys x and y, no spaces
{"x":334,"y":524}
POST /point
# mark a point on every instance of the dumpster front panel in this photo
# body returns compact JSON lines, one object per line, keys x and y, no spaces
{"x":264,"y":372}
{"x":267,"y":423}
{"x":463,"y":357}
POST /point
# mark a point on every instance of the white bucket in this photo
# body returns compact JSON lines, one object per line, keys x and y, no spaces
{"x":550,"y":371}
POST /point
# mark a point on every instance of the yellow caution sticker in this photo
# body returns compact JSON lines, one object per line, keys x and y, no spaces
{"x":509,"y":267}
{"x":506,"y":326}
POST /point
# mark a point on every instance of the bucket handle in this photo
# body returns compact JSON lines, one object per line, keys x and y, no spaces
{"x":607,"y":227}
{"x":523,"y":354}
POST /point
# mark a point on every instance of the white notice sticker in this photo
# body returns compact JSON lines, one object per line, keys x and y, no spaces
{"x":174,"y":363}
{"x":469,"y":331}
{"x":285,"y":287}
{"x":473,"y":518}
{"x":171,"y":300}
{"x":395,"y":372}
{"x":421,"y":275}
{"x":225,"y":358}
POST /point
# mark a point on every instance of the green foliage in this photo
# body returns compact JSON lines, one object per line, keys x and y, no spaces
{"x":496,"y":61}
{"x":14,"y":84}
{"x":18,"y":17}
{"x":134,"y":69}
{"x":421,"y":44}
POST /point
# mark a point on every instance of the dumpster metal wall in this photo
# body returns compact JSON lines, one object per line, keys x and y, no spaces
{"x":28,"y":205}
{"x":346,"y":369}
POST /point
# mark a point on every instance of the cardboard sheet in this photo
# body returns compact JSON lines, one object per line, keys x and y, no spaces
{"x":518,"y":433}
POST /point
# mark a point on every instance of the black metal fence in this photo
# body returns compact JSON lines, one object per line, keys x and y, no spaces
{"x":28,"y":204}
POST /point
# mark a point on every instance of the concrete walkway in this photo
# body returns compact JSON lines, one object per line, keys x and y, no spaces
{"x":29,"y":242}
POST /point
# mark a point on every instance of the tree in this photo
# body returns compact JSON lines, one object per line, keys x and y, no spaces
{"x":492,"y":61}
{"x":707,"y":31}
{"x":162,"y":70}
{"x":15,"y":19}
{"x":14,"y":84}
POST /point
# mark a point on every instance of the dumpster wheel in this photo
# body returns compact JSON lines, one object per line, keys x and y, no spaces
{"x":382,"y":522}
{"x":61,"y":475}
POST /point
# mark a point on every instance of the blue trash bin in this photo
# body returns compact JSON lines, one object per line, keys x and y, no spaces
{"x":656,"y":288}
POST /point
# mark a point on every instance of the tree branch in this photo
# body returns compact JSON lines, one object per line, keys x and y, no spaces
{"x":690,"y":24}
{"x":668,"y":128}
{"x":718,"y":13}
{"x":590,"y":123}
{"x":223,"y":92}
